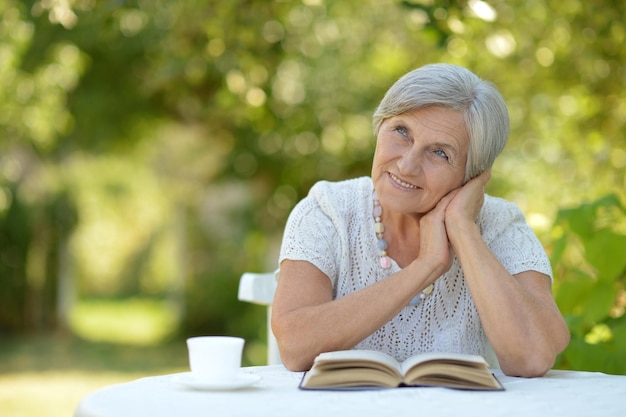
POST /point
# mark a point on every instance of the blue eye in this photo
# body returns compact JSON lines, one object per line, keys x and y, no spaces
{"x":442,"y":154}
{"x":401,"y":130}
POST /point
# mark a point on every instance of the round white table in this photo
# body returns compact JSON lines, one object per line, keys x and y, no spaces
{"x":559,"y":393}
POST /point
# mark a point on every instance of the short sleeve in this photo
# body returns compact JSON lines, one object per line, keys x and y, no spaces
{"x":310,"y":236}
{"x":511,"y":240}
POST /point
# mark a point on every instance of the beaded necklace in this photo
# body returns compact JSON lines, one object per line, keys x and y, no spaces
{"x":385,"y":260}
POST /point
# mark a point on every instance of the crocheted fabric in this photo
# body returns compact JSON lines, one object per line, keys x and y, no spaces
{"x":333,"y":228}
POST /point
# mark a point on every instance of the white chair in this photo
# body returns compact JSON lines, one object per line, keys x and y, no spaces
{"x":259,"y":289}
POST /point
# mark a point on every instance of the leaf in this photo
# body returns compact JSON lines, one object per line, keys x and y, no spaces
{"x":596,"y":306}
{"x":610,"y":200}
{"x":618,"y":327}
{"x":601,"y":357}
{"x":585,"y":357}
{"x":558,"y":249}
{"x":605,"y":251}
{"x":588,"y":298}
{"x":577,"y":326}
{"x":581,"y":219}
{"x":572,"y":291}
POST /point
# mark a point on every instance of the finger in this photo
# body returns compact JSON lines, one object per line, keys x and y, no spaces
{"x":484,"y":177}
{"x":442,"y":205}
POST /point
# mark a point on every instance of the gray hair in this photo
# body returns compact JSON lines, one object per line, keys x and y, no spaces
{"x":457,"y":88}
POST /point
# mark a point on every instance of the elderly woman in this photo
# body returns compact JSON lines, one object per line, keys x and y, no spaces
{"x":417,"y":258}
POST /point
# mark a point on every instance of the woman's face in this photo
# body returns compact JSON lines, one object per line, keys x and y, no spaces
{"x":420,"y":157}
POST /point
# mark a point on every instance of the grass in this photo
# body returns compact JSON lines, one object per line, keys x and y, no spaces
{"x":135,"y":321}
{"x":46,"y":376}
{"x":111,"y":341}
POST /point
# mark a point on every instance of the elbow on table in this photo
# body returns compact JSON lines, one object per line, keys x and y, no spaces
{"x":295,"y":363}
{"x":530,"y":366}
{"x":293,"y":357}
{"x":536,"y":359}
{"x":291,"y":352}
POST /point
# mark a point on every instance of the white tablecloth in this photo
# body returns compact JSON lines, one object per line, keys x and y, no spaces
{"x":559,"y":393}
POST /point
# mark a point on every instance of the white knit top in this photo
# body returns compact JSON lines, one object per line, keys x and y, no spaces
{"x":333,"y":228}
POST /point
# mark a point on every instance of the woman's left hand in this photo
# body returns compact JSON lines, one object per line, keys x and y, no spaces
{"x":517,"y":312}
{"x":466,"y":202}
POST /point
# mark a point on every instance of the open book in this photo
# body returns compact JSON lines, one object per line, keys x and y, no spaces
{"x":359,"y":369}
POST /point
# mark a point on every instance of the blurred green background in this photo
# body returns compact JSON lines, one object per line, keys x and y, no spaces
{"x":151,"y":150}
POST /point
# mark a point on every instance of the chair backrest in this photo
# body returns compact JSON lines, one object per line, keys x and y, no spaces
{"x":259,"y":288}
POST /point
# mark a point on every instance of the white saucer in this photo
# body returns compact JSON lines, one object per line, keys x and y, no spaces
{"x":241,"y":381}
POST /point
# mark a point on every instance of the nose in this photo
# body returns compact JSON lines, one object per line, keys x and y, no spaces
{"x":411,"y":163}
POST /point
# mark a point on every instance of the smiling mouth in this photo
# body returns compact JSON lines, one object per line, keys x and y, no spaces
{"x":402,"y":183}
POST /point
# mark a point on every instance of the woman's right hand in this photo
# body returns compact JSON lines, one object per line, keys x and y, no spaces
{"x":435,"y":248}
{"x":465,"y":201}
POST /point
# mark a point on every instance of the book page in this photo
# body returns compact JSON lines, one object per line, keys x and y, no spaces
{"x":460,"y":358}
{"x":356,"y":356}
{"x":433,"y":373}
{"x":353,"y":368}
{"x":349,"y":378}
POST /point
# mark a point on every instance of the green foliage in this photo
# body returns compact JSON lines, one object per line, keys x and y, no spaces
{"x":590,"y":267}
{"x":155,"y":148}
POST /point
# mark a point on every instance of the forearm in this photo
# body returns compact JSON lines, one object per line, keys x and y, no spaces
{"x":307,"y":331}
{"x":315,"y":323}
{"x":522,"y":323}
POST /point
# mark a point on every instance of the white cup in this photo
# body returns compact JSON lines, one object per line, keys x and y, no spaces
{"x":215,"y":358}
